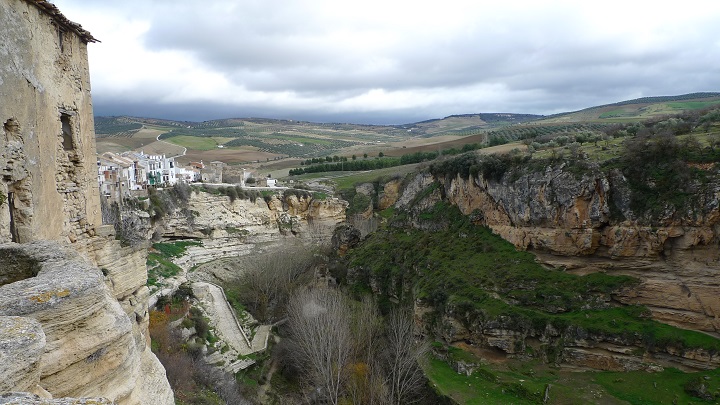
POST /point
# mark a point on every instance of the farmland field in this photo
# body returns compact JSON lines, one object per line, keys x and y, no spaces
{"x":275,"y":146}
{"x":230,"y":156}
{"x":197,"y":143}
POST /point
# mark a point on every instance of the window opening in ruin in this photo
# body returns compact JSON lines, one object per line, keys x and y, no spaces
{"x":13,"y":226}
{"x":66,"y":131}
{"x":61,"y":35}
{"x":12,"y":130}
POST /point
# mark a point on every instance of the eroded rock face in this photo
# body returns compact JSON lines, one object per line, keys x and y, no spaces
{"x":566,"y":220}
{"x":572,"y":346}
{"x":22,"y":342}
{"x":345,"y":237}
{"x":237,"y":228}
{"x":29,"y":399}
{"x":571,"y":221}
{"x":47,"y":143}
{"x":389,"y":194}
{"x":216,"y":216}
{"x":90,"y":343}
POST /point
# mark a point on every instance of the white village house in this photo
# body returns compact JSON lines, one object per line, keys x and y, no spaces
{"x":122,"y":174}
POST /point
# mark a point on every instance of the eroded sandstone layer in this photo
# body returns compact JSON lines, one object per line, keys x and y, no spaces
{"x":87,"y":344}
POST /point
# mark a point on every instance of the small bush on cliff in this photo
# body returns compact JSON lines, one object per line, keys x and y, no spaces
{"x":664,"y":173}
{"x":193,"y":381}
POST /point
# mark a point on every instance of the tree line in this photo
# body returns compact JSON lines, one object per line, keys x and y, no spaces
{"x":343,"y":164}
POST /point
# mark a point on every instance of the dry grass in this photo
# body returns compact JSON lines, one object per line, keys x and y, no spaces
{"x":162,"y":148}
{"x":229,"y":156}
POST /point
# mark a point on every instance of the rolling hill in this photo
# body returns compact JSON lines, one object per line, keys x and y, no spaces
{"x":248,"y":140}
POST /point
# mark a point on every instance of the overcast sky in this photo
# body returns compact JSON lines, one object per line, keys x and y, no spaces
{"x":391,"y":61}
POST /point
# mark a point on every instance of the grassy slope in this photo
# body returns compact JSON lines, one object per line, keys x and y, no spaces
{"x":489,"y":384}
{"x":476,"y":273}
{"x":637,"y":110}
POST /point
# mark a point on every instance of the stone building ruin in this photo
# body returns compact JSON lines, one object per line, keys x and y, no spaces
{"x":73,"y":306}
{"x":47,"y":143}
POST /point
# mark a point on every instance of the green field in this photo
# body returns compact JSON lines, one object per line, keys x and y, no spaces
{"x":198,"y":143}
{"x":347,"y":182}
{"x":520,"y":382}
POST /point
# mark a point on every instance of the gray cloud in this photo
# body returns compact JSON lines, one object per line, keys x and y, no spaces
{"x":290,"y":59}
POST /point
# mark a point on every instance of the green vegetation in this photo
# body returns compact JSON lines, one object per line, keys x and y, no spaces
{"x":349,"y":181}
{"x":115,"y":126}
{"x":193,"y":380}
{"x":668,"y":386}
{"x":208,"y":137}
{"x":159,"y":260}
{"x":659,"y":172}
{"x":494,"y":383}
{"x":319,"y":196}
{"x":639,"y":109}
{"x":232,"y":192}
{"x":175,"y":249}
{"x":198,"y":143}
{"x":515,"y":133}
{"x":381,"y":162}
{"x":668,"y":163}
{"x":351,"y":166}
{"x":480,"y":278}
{"x":475,"y":389}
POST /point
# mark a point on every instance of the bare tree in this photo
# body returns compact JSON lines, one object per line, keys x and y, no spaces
{"x":365,"y":383}
{"x":319,"y":322}
{"x":403,"y":356}
{"x":266,"y":283}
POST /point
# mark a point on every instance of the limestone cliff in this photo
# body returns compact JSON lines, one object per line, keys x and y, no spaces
{"x":77,"y":332}
{"x":228,"y":227}
{"x":572,"y":221}
{"x":74,"y":330}
{"x":233,"y":228}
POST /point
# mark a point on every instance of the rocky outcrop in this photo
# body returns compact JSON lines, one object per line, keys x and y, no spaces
{"x":29,"y":399}
{"x":570,"y":220}
{"x":389,"y":194}
{"x":572,"y":346}
{"x":345,"y":237}
{"x":216,"y":216}
{"x":22,"y":341}
{"x":237,"y":228}
{"x":90,"y":345}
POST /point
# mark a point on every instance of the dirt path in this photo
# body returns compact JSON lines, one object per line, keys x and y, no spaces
{"x":230,"y":329}
{"x":262,"y":390}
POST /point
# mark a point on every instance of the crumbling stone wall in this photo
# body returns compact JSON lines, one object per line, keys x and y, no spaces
{"x":47,"y":145}
{"x":87,"y":327}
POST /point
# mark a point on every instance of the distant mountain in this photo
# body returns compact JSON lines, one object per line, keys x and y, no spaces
{"x":458,"y":125}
